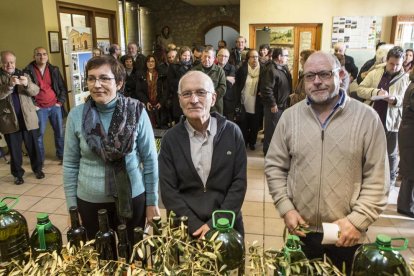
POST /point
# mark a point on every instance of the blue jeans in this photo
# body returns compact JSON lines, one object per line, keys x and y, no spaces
{"x":54,"y":114}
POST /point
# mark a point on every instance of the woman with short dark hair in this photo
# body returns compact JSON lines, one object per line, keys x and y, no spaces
{"x":110,"y":159}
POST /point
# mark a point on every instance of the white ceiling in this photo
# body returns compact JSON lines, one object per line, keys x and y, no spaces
{"x":212,"y":2}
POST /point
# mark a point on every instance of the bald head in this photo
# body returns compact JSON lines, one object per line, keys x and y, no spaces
{"x":326,"y":57}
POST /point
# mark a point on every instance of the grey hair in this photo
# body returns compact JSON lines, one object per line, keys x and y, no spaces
{"x":197,"y":74}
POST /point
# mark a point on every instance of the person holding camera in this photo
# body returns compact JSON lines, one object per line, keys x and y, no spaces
{"x":18,"y":117}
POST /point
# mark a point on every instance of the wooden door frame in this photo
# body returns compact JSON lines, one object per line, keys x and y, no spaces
{"x":90,"y":14}
{"x":296,"y":26}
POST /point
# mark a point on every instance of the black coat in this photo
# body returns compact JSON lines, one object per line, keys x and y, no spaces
{"x":175,"y":72}
{"x":276,"y":86}
{"x":350,"y":66}
{"x":181,"y":188}
{"x":141,"y":91}
{"x":406,"y":133}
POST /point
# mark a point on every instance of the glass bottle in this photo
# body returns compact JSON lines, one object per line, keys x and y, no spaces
{"x":380,"y":258}
{"x":46,"y":237}
{"x":105,"y":241}
{"x":76,"y":233}
{"x":14,"y":234}
{"x":139,"y":262}
{"x":124,"y":247}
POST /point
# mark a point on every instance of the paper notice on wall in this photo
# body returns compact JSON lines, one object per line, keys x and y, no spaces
{"x":356,"y":31}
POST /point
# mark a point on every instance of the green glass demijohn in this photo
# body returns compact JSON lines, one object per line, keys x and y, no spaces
{"x":46,"y":237}
{"x":380,"y":258}
{"x":232,"y":248}
{"x":14,"y":233}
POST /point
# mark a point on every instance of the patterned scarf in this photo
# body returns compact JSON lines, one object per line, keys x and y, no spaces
{"x":114,"y":146}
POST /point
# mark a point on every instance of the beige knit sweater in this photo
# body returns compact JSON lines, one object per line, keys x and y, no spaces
{"x":341,"y":171}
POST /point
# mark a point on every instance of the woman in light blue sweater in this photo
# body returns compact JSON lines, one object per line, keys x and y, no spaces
{"x":110,"y":159}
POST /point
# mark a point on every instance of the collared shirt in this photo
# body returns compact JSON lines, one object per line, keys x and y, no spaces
{"x":201,"y":145}
{"x":338,"y":104}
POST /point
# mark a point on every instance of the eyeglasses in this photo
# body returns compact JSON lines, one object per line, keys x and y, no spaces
{"x":199,"y":93}
{"x":223,"y":56}
{"x":41,"y":54}
{"x":254,"y":57}
{"x":102,"y":80}
{"x":323,"y":75}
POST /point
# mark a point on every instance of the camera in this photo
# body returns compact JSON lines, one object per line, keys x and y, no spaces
{"x":18,"y":74}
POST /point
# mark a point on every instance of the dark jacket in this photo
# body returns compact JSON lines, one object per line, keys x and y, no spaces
{"x":131,"y":84}
{"x":276,"y":86}
{"x":367,"y":65}
{"x":181,"y":188}
{"x":351,"y":67}
{"x":141,"y":91}
{"x":139,"y":62}
{"x":236,"y":58}
{"x":175,"y":72}
{"x":58,"y":84}
{"x":8,"y":119}
{"x":241,"y":77}
{"x":406,"y":133}
{"x":229,"y":71}
{"x":218,"y":76}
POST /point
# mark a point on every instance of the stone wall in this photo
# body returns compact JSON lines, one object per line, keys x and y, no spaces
{"x":188,"y":24}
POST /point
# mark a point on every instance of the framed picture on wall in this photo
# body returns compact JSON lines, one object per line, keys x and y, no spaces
{"x":54,"y":42}
{"x":282,"y":35}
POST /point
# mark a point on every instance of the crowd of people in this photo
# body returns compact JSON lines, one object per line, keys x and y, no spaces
{"x":328,"y":157}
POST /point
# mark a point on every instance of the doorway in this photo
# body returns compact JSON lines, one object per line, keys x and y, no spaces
{"x":221,"y":32}
{"x":294,"y":37}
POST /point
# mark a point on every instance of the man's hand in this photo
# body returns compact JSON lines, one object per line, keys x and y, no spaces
{"x":349,"y":235}
{"x":152,"y":211}
{"x":23,"y":80}
{"x":149,"y":106}
{"x":292,"y":221}
{"x":390,"y":99}
{"x":200,"y":232}
{"x":231,"y":79}
{"x":274,"y":109}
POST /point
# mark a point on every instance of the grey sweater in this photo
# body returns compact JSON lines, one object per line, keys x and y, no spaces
{"x":332,"y":173}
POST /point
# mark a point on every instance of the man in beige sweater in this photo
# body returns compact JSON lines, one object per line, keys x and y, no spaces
{"x":327,"y":163}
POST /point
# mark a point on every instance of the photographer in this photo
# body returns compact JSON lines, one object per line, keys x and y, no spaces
{"x":18,"y":116}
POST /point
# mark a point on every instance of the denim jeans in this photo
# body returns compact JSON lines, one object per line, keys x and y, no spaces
{"x":54,"y":114}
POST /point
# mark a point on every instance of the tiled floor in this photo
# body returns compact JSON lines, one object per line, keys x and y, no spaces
{"x":262,"y":222}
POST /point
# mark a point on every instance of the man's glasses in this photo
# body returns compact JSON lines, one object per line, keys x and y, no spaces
{"x":323,"y":75}
{"x":199,"y":93}
{"x":102,"y":80}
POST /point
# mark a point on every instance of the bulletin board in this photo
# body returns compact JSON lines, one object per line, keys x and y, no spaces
{"x":356,"y":32}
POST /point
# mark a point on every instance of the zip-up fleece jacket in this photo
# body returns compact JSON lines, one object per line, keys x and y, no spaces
{"x":398,"y":85}
{"x":331,"y":173}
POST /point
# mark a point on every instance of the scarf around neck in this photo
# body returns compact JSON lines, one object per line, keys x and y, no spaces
{"x":252,"y":80}
{"x":112,"y":147}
